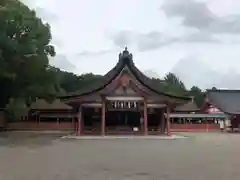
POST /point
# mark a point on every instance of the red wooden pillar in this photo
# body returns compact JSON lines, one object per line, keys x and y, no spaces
{"x":145,"y":114}
{"x":79,"y":123}
{"x":162,"y":121}
{"x":103,"y":123}
{"x":169,"y":133}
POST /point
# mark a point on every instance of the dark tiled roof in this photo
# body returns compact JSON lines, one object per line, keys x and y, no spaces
{"x":58,"y":105}
{"x":40,"y":104}
{"x":227,"y":101}
{"x":190,"y":106}
{"x":125,"y":59}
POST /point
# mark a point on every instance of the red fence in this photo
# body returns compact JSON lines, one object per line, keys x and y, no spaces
{"x":40,"y":126}
{"x":195,"y":127}
{"x":70,"y":126}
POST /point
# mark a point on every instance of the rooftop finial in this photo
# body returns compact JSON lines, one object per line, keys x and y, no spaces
{"x":125,"y":52}
{"x":125,"y":55}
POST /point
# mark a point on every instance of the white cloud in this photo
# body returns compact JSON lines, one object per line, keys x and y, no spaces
{"x":196,"y":14}
{"x":90,"y":34}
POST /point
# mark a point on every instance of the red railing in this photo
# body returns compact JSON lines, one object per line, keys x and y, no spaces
{"x":195,"y":127}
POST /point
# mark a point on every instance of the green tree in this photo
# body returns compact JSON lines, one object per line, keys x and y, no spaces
{"x":24,"y":51}
{"x":197,"y":93}
{"x":72,"y":83}
{"x":16,"y":109}
{"x":174,"y":85}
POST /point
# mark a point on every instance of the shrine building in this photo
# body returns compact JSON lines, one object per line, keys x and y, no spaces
{"x":125,"y":101}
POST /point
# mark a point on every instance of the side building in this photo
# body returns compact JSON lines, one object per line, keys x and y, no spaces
{"x":222,"y":101}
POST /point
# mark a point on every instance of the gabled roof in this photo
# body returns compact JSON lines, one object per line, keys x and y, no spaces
{"x":190,"y":107}
{"x":57,"y":104}
{"x":42,"y":104}
{"x":227,"y":101}
{"x":125,"y":59}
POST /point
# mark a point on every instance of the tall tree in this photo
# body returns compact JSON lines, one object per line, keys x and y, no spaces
{"x":197,"y":93}
{"x":24,"y":51}
{"x":174,"y":85}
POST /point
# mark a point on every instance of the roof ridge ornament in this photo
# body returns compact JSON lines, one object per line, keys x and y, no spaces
{"x":125,"y":52}
{"x":125,"y":55}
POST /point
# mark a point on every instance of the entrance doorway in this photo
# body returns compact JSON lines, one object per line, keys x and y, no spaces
{"x":123,"y":122}
{"x":91,"y":121}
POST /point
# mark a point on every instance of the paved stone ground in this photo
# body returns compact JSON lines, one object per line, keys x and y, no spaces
{"x":202,"y":156}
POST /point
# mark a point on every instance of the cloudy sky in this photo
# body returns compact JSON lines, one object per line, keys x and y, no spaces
{"x":88,"y":35}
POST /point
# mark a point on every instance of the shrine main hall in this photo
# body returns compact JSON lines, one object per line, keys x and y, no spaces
{"x":124,"y":101}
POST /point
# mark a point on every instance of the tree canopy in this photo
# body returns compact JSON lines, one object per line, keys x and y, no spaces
{"x":174,"y":85}
{"x":198,"y":94}
{"x":24,"y":51}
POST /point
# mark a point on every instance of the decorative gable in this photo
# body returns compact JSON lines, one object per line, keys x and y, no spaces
{"x":124,"y":80}
{"x":213,"y":110}
{"x":126,"y":85}
{"x":124,"y":91}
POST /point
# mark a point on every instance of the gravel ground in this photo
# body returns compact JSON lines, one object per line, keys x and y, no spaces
{"x":202,"y":156}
